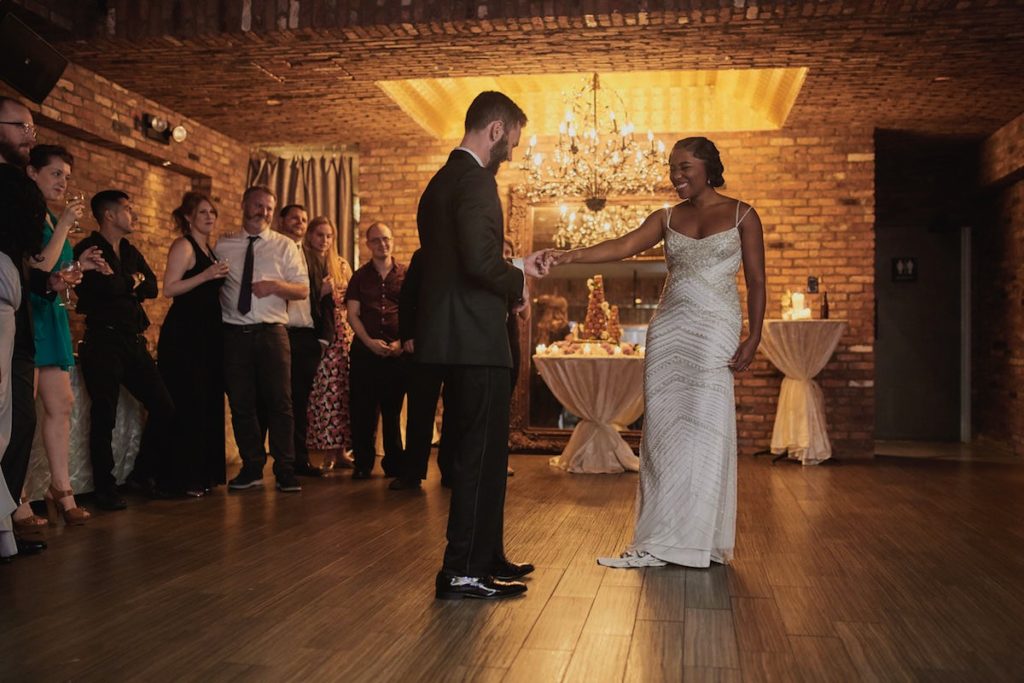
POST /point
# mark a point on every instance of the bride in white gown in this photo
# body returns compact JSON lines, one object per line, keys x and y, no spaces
{"x":687,"y":498}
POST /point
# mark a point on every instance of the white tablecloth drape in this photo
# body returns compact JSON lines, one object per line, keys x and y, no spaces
{"x":607,"y":393}
{"x":125,"y":443}
{"x":800,"y":349}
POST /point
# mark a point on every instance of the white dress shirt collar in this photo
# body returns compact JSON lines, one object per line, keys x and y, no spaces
{"x":471,"y":153}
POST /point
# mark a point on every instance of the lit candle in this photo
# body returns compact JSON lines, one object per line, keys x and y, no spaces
{"x":586,"y":349}
{"x":798,"y":301}
{"x":541,"y":348}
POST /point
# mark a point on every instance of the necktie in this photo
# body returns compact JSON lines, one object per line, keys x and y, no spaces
{"x":245,"y":294}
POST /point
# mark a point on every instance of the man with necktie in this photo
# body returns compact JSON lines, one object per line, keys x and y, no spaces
{"x":266,"y":271}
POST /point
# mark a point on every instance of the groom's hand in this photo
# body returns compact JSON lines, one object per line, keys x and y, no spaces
{"x":535,"y":264}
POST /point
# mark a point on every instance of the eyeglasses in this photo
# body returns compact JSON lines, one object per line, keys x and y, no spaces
{"x":26,"y":128}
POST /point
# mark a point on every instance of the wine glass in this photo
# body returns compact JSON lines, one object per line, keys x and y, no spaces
{"x":71,"y":196}
{"x":69,"y":270}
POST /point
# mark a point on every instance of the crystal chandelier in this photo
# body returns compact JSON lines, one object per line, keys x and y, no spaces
{"x":581,"y":227}
{"x":596,"y":156}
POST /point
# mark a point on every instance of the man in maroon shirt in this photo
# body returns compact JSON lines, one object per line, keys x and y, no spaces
{"x":377,"y":369}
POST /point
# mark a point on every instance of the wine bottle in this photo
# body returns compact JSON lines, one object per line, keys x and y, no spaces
{"x":824,"y":306}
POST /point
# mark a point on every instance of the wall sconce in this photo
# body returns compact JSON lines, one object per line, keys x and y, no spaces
{"x":158,"y":128}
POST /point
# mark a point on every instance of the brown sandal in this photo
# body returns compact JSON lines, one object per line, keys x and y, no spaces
{"x":72,"y":516}
{"x":30,"y":523}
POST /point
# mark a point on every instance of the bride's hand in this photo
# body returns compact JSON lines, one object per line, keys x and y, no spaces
{"x":741,"y":360}
{"x":555,"y":257}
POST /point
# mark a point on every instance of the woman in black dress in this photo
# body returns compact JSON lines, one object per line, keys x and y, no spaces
{"x":190,"y":352}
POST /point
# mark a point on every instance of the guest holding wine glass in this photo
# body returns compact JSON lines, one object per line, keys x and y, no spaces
{"x":190,"y":353}
{"x":328,"y":416}
{"x":50,"y":168}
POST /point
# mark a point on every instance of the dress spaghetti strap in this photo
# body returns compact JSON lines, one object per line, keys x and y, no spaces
{"x":739,"y":219}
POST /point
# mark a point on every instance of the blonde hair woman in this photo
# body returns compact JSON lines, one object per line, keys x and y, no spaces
{"x":328,"y":417}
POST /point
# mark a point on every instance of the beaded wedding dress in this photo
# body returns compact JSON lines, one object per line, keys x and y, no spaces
{"x":686,"y":504}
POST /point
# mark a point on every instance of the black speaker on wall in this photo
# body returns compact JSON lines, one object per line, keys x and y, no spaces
{"x":28,"y":63}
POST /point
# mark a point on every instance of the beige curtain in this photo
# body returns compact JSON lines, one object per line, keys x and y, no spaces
{"x":324,"y":182}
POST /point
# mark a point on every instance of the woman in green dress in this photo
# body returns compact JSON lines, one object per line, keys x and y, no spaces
{"x":50,"y":168}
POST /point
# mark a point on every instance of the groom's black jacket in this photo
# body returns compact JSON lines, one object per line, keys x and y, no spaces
{"x":465,"y":285}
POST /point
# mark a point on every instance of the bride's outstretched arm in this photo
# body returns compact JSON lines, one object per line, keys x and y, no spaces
{"x":752,"y":244}
{"x":643,"y":238}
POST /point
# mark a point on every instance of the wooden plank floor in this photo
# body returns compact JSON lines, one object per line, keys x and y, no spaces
{"x":890,"y":570}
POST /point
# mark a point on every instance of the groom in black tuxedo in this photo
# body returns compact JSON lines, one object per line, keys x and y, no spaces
{"x":461,"y":314}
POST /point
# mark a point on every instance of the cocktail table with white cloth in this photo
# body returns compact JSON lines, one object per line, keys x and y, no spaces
{"x":607,"y":393}
{"x":800,"y":349}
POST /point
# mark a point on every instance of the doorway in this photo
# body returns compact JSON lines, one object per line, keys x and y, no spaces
{"x":921,"y":329}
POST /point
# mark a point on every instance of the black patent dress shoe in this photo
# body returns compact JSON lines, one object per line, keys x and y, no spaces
{"x":510,"y":571}
{"x":304,"y":469}
{"x":360,"y":474}
{"x":27,"y":546}
{"x":452,"y":587}
{"x":109,"y":500}
{"x":403,"y":484}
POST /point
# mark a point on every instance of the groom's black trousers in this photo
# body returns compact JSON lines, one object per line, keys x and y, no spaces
{"x":477,"y":402}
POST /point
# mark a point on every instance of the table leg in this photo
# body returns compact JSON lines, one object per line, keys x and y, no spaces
{"x":596,"y":448}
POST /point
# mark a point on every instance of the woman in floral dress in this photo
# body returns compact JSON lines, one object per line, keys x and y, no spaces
{"x":328,"y":401}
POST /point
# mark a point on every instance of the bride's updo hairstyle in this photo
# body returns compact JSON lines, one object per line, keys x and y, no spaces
{"x":705,"y":150}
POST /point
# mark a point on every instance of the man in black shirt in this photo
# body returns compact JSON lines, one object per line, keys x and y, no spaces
{"x":113,"y":351}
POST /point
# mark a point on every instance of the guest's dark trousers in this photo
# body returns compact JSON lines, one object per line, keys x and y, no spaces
{"x":376,"y":386}
{"x":476,"y":413}
{"x":425,"y":380}
{"x":257,"y":373}
{"x":110,"y":359}
{"x":306,"y":351}
{"x":23,"y":424}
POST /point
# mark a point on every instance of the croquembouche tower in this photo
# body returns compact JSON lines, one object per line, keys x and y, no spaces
{"x":602,"y":320}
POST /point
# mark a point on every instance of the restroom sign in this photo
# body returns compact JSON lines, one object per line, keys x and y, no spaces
{"x":904,"y":269}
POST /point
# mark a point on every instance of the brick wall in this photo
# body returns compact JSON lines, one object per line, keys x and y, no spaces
{"x":94,"y":119}
{"x":814,"y":190}
{"x":998,"y":306}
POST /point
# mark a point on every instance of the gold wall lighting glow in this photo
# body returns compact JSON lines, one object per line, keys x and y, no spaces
{"x":670,"y":102}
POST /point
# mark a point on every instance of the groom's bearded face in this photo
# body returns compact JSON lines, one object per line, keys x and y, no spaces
{"x":501,"y":151}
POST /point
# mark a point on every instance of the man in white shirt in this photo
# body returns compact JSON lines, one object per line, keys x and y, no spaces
{"x":266,"y":271}
{"x":306,"y":348}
